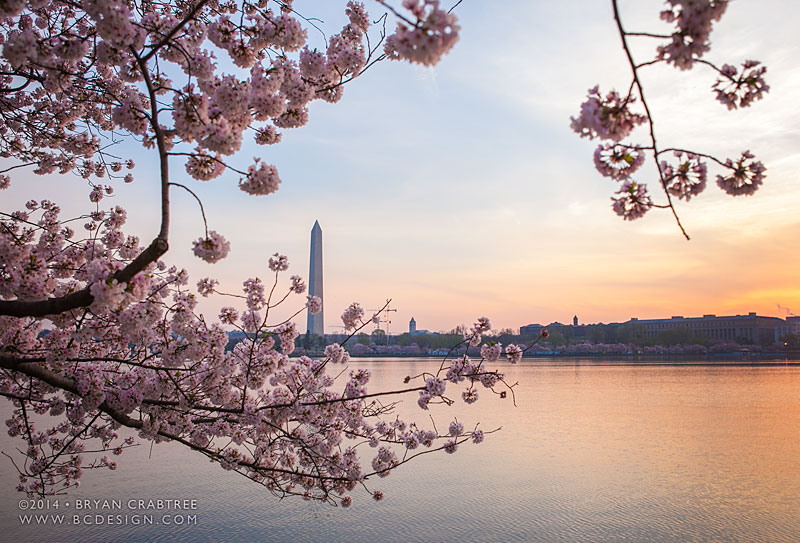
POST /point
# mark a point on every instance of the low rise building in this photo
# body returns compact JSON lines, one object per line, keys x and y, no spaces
{"x":750,"y":328}
{"x":790,"y":327}
{"x":742,"y":328}
{"x":531,"y":330}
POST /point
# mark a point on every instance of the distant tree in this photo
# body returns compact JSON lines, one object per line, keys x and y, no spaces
{"x":378,"y":337}
{"x":632,"y":333}
{"x":597,"y":334}
{"x":568,"y":332}
{"x":556,"y":338}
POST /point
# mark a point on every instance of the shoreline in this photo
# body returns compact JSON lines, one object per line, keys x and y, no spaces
{"x":716,"y":359}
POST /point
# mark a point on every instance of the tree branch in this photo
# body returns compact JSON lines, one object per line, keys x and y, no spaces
{"x":82,"y":298}
{"x":638,"y":83}
{"x":177,"y":28}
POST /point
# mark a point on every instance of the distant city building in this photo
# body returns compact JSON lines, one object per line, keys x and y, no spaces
{"x":413,"y":331}
{"x":792,"y":326}
{"x":316,"y":323}
{"x":750,"y":327}
{"x":531,"y":329}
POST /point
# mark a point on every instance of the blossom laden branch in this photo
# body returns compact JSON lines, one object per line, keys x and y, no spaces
{"x":610,"y":117}
{"x":123,"y":344}
{"x":83,"y":297}
{"x":160,"y":369}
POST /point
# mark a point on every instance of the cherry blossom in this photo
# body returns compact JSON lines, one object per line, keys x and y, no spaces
{"x":746,"y":177}
{"x":261,"y":180}
{"x":633,"y":201}
{"x":352,"y":316}
{"x":206,"y":286}
{"x":735,"y":90}
{"x":425,"y":40}
{"x":606,"y":117}
{"x":278,"y":263}
{"x":298,"y":285}
{"x":121,"y":79}
{"x":687,"y":179}
{"x":314,"y":304}
{"x":610,"y":117}
{"x":456,"y":428}
{"x":694,"y":20}
{"x":204,"y":167}
{"x":98,"y":331}
{"x":617,"y":161}
{"x":212,"y":248}
{"x":491,"y":352}
{"x":514,"y":353}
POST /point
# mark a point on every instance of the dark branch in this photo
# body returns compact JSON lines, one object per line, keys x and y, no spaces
{"x":82,"y":298}
{"x":638,"y":83}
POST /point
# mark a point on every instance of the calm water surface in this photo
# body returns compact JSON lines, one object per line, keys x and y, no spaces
{"x":594,"y":451}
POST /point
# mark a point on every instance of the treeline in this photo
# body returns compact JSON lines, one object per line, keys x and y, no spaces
{"x":560,"y":336}
{"x":565,"y":335}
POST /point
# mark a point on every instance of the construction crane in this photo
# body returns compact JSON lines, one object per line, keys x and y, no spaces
{"x":385,"y":309}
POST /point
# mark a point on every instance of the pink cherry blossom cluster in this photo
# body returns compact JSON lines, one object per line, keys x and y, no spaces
{"x":745,"y":178}
{"x":513,"y":353}
{"x":314,"y":304}
{"x":425,"y":40}
{"x":734,"y":90}
{"x":491,"y":351}
{"x":278,"y":263}
{"x":298,"y":285}
{"x":633,"y":201}
{"x":337,"y":354}
{"x":206,"y":286}
{"x":141,"y":357}
{"x":255,"y":297}
{"x":353,"y":316}
{"x":211,"y":248}
{"x":261,"y":180}
{"x":687,"y":178}
{"x":474,"y":335}
{"x":617,"y":161}
{"x":98,"y":332}
{"x":694,"y":20}
{"x":204,"y":167}
{"x":610,"y":117}
{"x":78,"y":74}
{"x":606,"y":118}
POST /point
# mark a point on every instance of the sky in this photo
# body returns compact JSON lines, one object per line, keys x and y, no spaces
{"x":460,"y":191}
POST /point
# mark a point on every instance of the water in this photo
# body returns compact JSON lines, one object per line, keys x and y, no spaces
{"x":594,"y":451}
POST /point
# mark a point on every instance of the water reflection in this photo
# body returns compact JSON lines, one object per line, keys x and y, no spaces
{"x":592,"y":452}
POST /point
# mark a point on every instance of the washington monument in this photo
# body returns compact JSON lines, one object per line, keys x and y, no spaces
{"x":316,"y":324}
